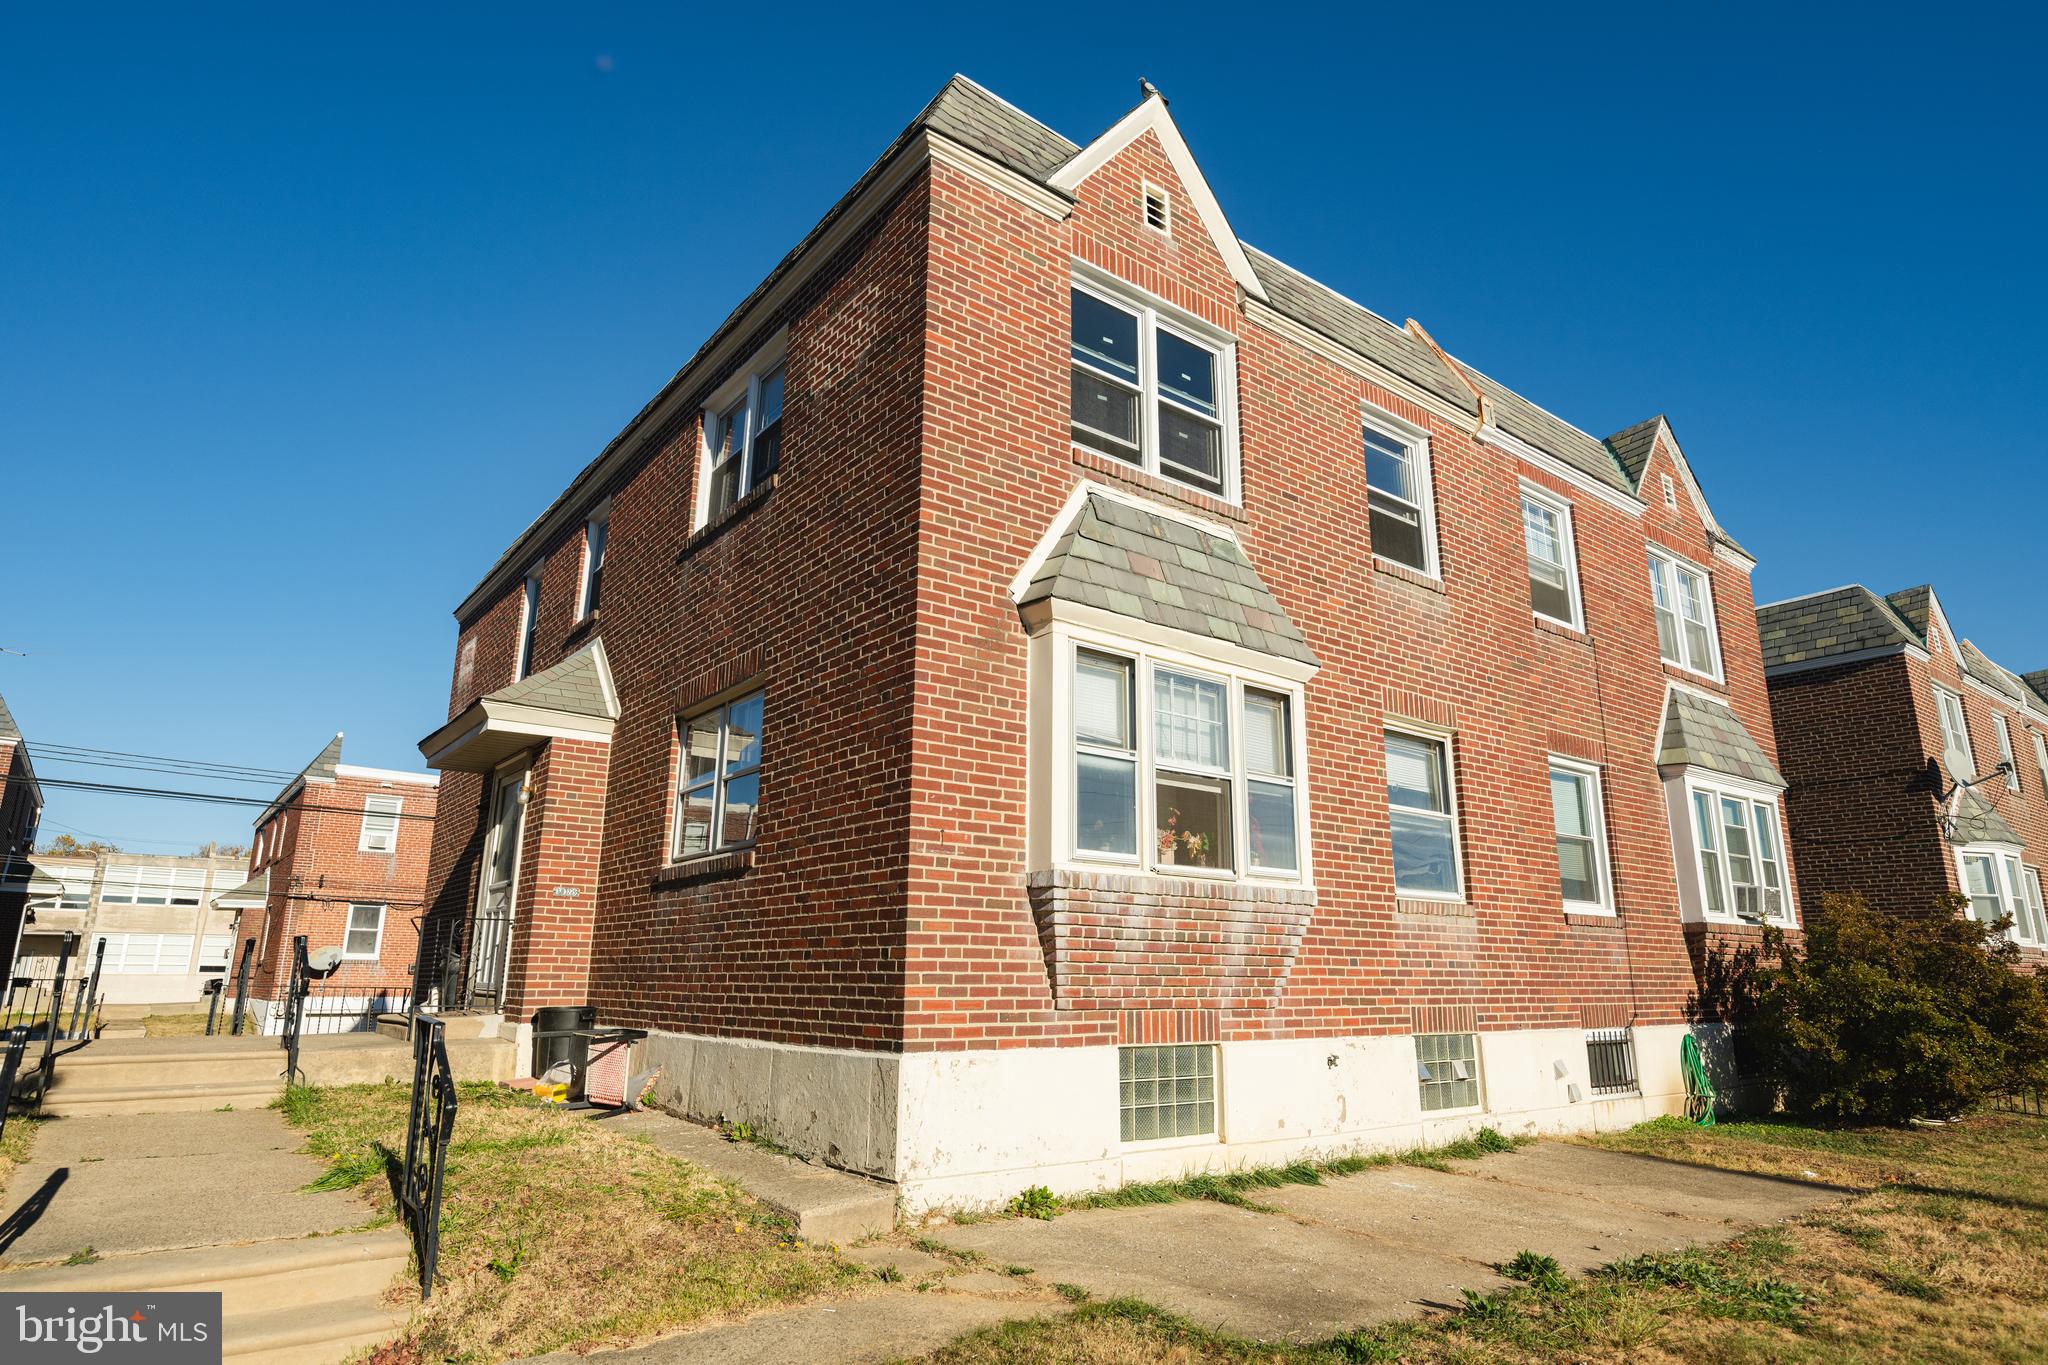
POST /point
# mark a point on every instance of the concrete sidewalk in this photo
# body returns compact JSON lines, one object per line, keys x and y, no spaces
{"x":1388,"y":1242}
{"x":122,"y":1183}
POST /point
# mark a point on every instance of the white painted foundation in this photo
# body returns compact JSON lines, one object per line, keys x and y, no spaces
{"x":971,"y":1129}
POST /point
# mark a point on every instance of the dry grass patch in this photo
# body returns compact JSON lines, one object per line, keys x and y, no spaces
{"x":173,"y":1025}
{"x":1944,"y":1257}
{"x":557,"y":1232}
{"x":14,"y":1145}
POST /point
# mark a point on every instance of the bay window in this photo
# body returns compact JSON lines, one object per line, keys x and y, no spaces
{"x":1423,"y":825}
{"x":1202,"y":761}
{"x":1150,"y":390}
{"x":1685,"y":615}
{"x":1998,"y":885}
{"x":1738,"y":848}
{"x":2036,"y":918}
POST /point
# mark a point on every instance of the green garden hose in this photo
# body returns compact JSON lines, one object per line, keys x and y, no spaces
{"x":1699,"y":1091}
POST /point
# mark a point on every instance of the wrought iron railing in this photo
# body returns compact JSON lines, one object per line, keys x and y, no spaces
{"x":62,"y":1006}
{"x":428,"y":1129}
{"x":460,"y":963}
{"x":10,"y":1071}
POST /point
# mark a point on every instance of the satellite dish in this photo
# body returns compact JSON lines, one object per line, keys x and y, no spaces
{"x":323,"y":961}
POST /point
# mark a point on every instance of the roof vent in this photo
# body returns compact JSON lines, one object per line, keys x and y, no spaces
{"x":1158,"y":209}
{"x":1670,"y":493}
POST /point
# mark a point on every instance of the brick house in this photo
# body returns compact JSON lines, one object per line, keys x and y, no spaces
{"x":340,"y":855}
{"x":1050,"y":694}
{"x":1919,"y":767}
{"x":21,"y":811}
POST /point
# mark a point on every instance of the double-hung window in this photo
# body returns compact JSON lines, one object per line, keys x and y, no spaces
{"x":1553,"y":577}
{"x":1205,"y":762}
{"x":2041,"y":758}
{"x":1685,"y":615}
{"x":2003,"y":734}
{"x":1955,"y":736}
{"x":365,"y":937}
{"x":1398,"y":500}
{"x":1576,"y":815}
{"x":595,"y":532}
{"x":742,"y":439}
{"x":1984,"y":886}
{"x":529,"y":617}
{"x":1998,"y":885}
{"x":1422,"y":817}
{"x":1150,"y":390}
{"x":719,"y":795}
{"x":380,"y":824}
{"x":2035,"y":921}
{"x":1741,"y":855}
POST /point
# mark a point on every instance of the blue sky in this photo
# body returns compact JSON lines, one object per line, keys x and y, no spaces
{"x":304,"y":315}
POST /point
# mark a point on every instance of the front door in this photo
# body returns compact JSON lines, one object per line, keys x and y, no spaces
{"x":491,"y":934}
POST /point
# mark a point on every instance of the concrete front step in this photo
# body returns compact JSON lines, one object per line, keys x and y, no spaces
{"x":303,"y":1301}
{"x":97,"y":1069}
{"x":76,"y":1102}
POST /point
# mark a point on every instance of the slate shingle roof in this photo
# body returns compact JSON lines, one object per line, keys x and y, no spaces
{"x":1913,"y":605}
{"x":1138,"y":563}
{"x":1550,"y":433}
{"x":1829,"y":624}
{"x":1632,"y":446}
{"x":1977,"y":823}
{"x":257,"y":888}
{"x":2038,"y":680}
{"x":575,"y":686}
{"x":975,"y":118}
{"x":321,"y":769}
{"x":8,"y":729}
{"x":1700,"y":733}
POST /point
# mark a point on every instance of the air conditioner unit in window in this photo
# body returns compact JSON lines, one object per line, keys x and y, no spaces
{"x":1749,"y":903}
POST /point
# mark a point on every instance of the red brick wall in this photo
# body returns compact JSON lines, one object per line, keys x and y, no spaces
{"x":1863,"y":741}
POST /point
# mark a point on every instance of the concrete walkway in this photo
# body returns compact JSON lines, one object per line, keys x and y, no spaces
{"x":1388,"y":1242}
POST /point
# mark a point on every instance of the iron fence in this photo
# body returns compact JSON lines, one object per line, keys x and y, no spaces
{"x":460,"y":962}
{"x":332,"y":1001}
{"x":62,"y":1001}
{"x":10,"y":1070}
{"x":428,"y":1129}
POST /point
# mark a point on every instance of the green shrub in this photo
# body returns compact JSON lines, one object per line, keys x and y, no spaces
{"x":1036,"y":1202}
{"x":1884,"y":1018}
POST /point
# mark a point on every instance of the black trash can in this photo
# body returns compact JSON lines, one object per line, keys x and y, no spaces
{"x":561,"y":1034}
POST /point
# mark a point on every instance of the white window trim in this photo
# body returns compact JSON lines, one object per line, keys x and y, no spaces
{"x":1677,"y":562}
{"x":1434,"y":735}
{"x":1052,"y":802}
{"x":716,"y":843}
{"x":599,"y":515}
{"x":2037,"y":901}
{"x":525,"y":644}
{"x":1679,"y":792}
{"x":347,"y":931}
{"x":1943,"y":695}
{"x":1417,"y":441}
{"x":745,"y":383}
{"x":1155,"y":313}
{"x":2007,"y":860}
{"x":1568,"y":545}
{"x":397,"y":814}
{"x":1596,"y":801}
{"x":2040,"y":757}
{"x":2001,"y":730}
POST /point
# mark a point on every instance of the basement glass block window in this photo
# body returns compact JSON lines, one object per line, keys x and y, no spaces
{"x":1447,"y":1068}
{"x":1166,"y":1092}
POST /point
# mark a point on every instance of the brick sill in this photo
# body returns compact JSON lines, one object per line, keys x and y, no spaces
{"x":711,"y":530}
{"x":583,"y":623}
{"x":1686,"y":675}
{"x":1581,"y":920}
{"x":1546,"y":626}
{"x":1403,"y":905}
{"x":1111,"y":468}
{"x":1404,"y":574}
{"x":1159,"y":884}
{"x":707,"y":867}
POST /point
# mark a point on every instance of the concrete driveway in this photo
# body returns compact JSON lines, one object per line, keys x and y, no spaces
{"x":1388,"y":1242}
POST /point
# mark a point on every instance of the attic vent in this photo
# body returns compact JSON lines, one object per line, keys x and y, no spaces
{"x":1670,"y":493}
{"x":1158,"y":209}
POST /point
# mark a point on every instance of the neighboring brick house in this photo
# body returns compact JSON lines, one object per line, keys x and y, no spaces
{"x":1884,"y":714}
{"x":1078,"y":700}
{"x":339,"y":856}
{"x":21,"y":810}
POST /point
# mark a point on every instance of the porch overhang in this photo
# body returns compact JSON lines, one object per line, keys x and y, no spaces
{"x":489,"y":732}
{"x":253,"y":894}
{"x":573,"y":699}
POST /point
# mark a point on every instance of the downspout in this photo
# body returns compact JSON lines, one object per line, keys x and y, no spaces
{"x":1484,"y":403}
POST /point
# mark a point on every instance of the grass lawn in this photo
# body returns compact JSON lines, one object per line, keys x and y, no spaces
{"x":174,"y":1025}
{"x":557,"y":1232}
{"x":14,"y":1145}
{"x":1944,"y":1257}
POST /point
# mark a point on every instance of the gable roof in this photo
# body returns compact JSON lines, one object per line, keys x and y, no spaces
{"x":1912,"y":606}
{"x":1828,"y":625}
{"x":321,"y":769}
{"x":969,"y":116}
{"x":1120,"y":557}
{"x":1977,"y":823}
{"x":579,"y":685}
{"x":1632,"y":446}
{"x":1702,"y":733}
{"x":8,"y":729}
{"x":2038,"y":680}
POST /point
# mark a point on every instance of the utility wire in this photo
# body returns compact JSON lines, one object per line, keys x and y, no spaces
{"x":45,"y":746}
{"x":210,"y":798}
